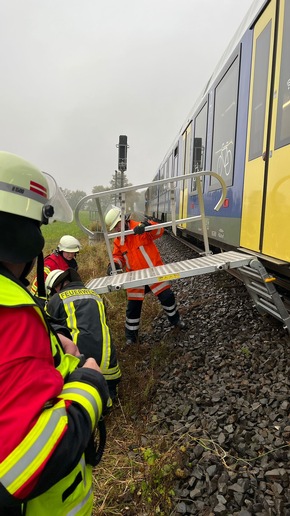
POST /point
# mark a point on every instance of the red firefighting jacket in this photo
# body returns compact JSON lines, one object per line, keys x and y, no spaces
{"x":52,"y":262}
{"x":48,"y":408}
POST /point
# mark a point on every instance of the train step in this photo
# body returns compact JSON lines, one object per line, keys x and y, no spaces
{"x":257,"y":280}
{"x":260,"y":285}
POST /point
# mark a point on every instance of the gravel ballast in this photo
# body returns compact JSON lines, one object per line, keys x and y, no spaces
{"x":224,"y":397}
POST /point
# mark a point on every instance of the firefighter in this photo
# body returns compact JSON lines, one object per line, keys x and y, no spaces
{"x":49,"y":407}
{"x":83,"y":312}
{"x":63,"y":257}
{"x":140,"y":252}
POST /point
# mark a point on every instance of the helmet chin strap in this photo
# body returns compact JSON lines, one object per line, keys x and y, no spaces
{"x":40,"y":276}
{"x":25,"y":272}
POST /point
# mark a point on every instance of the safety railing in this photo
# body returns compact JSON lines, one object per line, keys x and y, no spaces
{"x":121,"y":192}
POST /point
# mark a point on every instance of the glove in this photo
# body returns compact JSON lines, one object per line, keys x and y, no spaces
{"x":110,"y":270}
{"x":140,"y":229}
{"x":154,"y":219}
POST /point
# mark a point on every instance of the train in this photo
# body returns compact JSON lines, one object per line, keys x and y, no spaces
{"x":239,"y":127}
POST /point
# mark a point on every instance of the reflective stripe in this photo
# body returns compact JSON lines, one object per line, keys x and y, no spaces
{"x":24,"y":192}
{"x":35,"y":448}
{"x":71,"y":318}
{"x":127,"y":263}
{"x":146,"y":256}
{"x":33,"y":289}
{"x":78,"y":294}
{"x":106,"y":341}
{"x":136,"y":320}
{"x":170,"y":310}
{"x":46,"y":270}
{"x":87,"y":396}
{"x":87,"y":497}
{"x":81,"y":505}
{"x":159,"y":287}
{"x":78,"y":503}
{"x":113,"y":373}
{"x":131,"y":326}
{"x":136,"y":293}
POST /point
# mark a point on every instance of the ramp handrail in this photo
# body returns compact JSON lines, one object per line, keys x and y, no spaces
{"x":122,"y":192}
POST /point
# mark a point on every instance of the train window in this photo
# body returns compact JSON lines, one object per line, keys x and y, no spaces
{"x":167,"y":169}
{"x":162,"y":187}
{"x":154,"y":188}
{"x":175,"y":163}
{"x":225,"y":113}
{"x":260,"y":93}
{"x":199,"y":141}
{"x":283,"y":114}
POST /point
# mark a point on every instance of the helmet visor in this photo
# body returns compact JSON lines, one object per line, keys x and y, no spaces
{"x":62,"y":209}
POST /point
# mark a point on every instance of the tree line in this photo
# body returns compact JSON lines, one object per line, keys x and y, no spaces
{"x":132,"y":198}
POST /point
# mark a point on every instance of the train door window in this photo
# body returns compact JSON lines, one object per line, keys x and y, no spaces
{"x":225,"y":114}
{"x":161,"y":187}
{"x":166,"y":168}
{"x":169,"y":168}
{"x":154,"y":188}
{"x":199,"y":142}
{"x":260,"y":93}
{"x":283,"y":113}
{"x":175,"y":162}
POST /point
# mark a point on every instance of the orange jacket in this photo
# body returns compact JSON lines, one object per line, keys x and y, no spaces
{"x":139,"y":252}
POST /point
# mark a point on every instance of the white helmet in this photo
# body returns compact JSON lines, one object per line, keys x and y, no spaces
{"x":69,"y":244}
{"x":51,"y":278}
{"x":23,"y":188}
{"x":57,"y":276}
{"x":113,"y":217}
{"x":24,"y":206}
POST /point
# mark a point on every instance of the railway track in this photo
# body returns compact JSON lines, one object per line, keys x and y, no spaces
{"x":282,"y":284}
{"x":223,"y":394}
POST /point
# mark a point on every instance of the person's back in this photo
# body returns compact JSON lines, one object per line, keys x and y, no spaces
{"x":49,"y":406}
{"x":83,"y":312}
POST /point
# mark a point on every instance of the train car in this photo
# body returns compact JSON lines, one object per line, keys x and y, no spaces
{"x":240,"y":128}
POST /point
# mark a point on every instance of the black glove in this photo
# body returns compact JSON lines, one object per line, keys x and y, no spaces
{"x":140,"y":229}
{"x":110,"y":270}
{"x":154,"y":219}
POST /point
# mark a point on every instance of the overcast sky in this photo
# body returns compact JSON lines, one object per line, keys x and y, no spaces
{"x":75,"y":74}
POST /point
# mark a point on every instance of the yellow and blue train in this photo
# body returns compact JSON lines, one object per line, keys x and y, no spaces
{"x":239,"y":128}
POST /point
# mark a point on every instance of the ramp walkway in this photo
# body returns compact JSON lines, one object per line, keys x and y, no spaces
{"x":170,"y":271}
{"x":257,"y":280}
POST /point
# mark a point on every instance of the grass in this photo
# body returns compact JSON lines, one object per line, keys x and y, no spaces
{"x":136,"y":474}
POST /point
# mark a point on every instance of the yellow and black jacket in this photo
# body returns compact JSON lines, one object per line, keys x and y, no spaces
{"x":83,"y":312}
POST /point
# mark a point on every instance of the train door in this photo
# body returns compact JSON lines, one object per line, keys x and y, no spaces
{"x":185,"y":169}
{"x":276,"y":236}
{"x":266,"y":173}
{"x":173,"y":174}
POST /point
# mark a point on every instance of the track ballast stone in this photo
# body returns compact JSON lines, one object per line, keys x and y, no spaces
{"x":223,"y":394}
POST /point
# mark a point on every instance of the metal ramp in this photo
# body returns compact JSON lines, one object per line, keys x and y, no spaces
{"x":168,"y":185}
{"x":259,"y":284}
{"x":170,"y":272}
{"x":257,"y":281}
